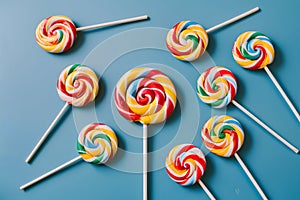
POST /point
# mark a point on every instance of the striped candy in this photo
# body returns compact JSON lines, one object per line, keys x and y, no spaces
{"x":253,"y":50}
{"x":185,"y":164}
{"x":56,"y":34}
{"x":223,"y":135}
{"x":77,"y":85}
{"x":97,"y":143}
{"x":145,"y":95}
{"x":187,"y":40}
{"x":217,"y":86}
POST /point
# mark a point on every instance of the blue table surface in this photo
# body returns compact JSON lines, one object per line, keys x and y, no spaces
{"x":29,"y":101}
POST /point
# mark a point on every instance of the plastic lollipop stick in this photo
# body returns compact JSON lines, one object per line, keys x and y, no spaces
{"x":206,"y":190}
{"x":97,"y":144}
{"x":253,"y":50}
{"x":262,"y":194}
{"x":77,"y":85}
{"x":287,"y":100}
{"x":113,"y":23}
{"x":217,"y":86}
{"x":258,"y":121}
{"x":148,"y":96}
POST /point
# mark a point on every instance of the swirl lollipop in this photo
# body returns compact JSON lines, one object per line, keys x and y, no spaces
{"x":56,"y":34}
{"x":185,"y":165}
{"x":253,"y":50}
{"x":187,"y":40}
{"x":147,"y":96}
{"x":97,"y":144}
{"x":217,"y":86}
{"x":77,"y":85}
{"x":224,"y":136}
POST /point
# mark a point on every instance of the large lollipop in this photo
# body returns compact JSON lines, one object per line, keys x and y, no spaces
{"x":224,"y":136}
{"x":97,"y":144}
{"x":147,"y":96}
{"x":187,"y":40}
{"x":185,"y":165}
{"x":77,"y":85}
{"x":253,"y":50}
{"x":217,"y":86}
{"x":56,"y":34}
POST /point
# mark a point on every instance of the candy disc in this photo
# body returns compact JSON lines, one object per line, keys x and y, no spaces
{"x":187,"y":40}
{"x":223,"y":135}
{"x":145,"y":95}
{"x":56,"y":34}
{"x":185,"y":164}
{"x":253,"y":50}
{"x":97,"y":143}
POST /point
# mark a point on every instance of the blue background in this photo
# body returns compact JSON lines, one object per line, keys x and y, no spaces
{"x":29,"y":101}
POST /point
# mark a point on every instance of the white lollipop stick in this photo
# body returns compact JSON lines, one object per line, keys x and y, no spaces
{"x":258,"y":121}
{"x":263,"y":196}
{"x":122,"y":21}
{"x":282,"y":93}
{"x":43,"y":138}
{"x":23,"y":187}
{"x":206,"y":190}
{"x":145,"y":162}
{"x":233,"y":19}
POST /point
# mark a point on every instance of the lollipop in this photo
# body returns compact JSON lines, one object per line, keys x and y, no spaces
{"x":185,"y":165}
{"x":147,"y":96}
{"x":253,"y":50}
{"x":217,"y":86}
{"x":77,"y":85}
{"x":224,"y":136}
{"x":97,"y":144}
{"x":56,"y":34}
{"x":187,"y":40}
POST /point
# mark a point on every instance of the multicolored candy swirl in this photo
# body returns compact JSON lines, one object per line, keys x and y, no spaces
{"x":187,"y":40}
{"x":77,"y":85}
{"x":253,"y":50}
{"x":145,"y":95}
{"x":56,"y":34}
{"x":217,"y":86}
{"x":185,"y":164}
{"x":97,"y":143}
{"x":223,"y":135}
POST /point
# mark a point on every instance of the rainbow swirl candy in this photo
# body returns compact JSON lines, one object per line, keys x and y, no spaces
{"x":223,"y":135}
{"x":145,"y":95}
{"x":97,"y":143}
{"x":56,"y":34}
{"x":77,"y":85}
{"x":253,"y":50}
{"x":217,"y":86}
{"x":187,"y":40}
{"x":185,"y":164}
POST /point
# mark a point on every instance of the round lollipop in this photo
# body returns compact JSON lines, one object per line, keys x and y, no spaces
{"x":217,"y":86}
{"x":56,"y":34}
{"x":187,"y":40}
{"x":253,"y":50}
{"x":224,"y":136}
{"x":185,"y":165}
{"x":77,"y":85}
{"x":148,"y":96}
{"x":97,"y":144}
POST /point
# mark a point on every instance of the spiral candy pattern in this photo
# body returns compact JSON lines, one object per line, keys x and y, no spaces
{"x":185,"y":164}
{"x":187,"y":40}
{"x":97,"y":143}
{"x":223,"y":135}
{"x":145,"y":95}
{"x":56,"y":34}
{"x":77,"y":85}
{"x":253,"y":50}
{"x":217,"y":86}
